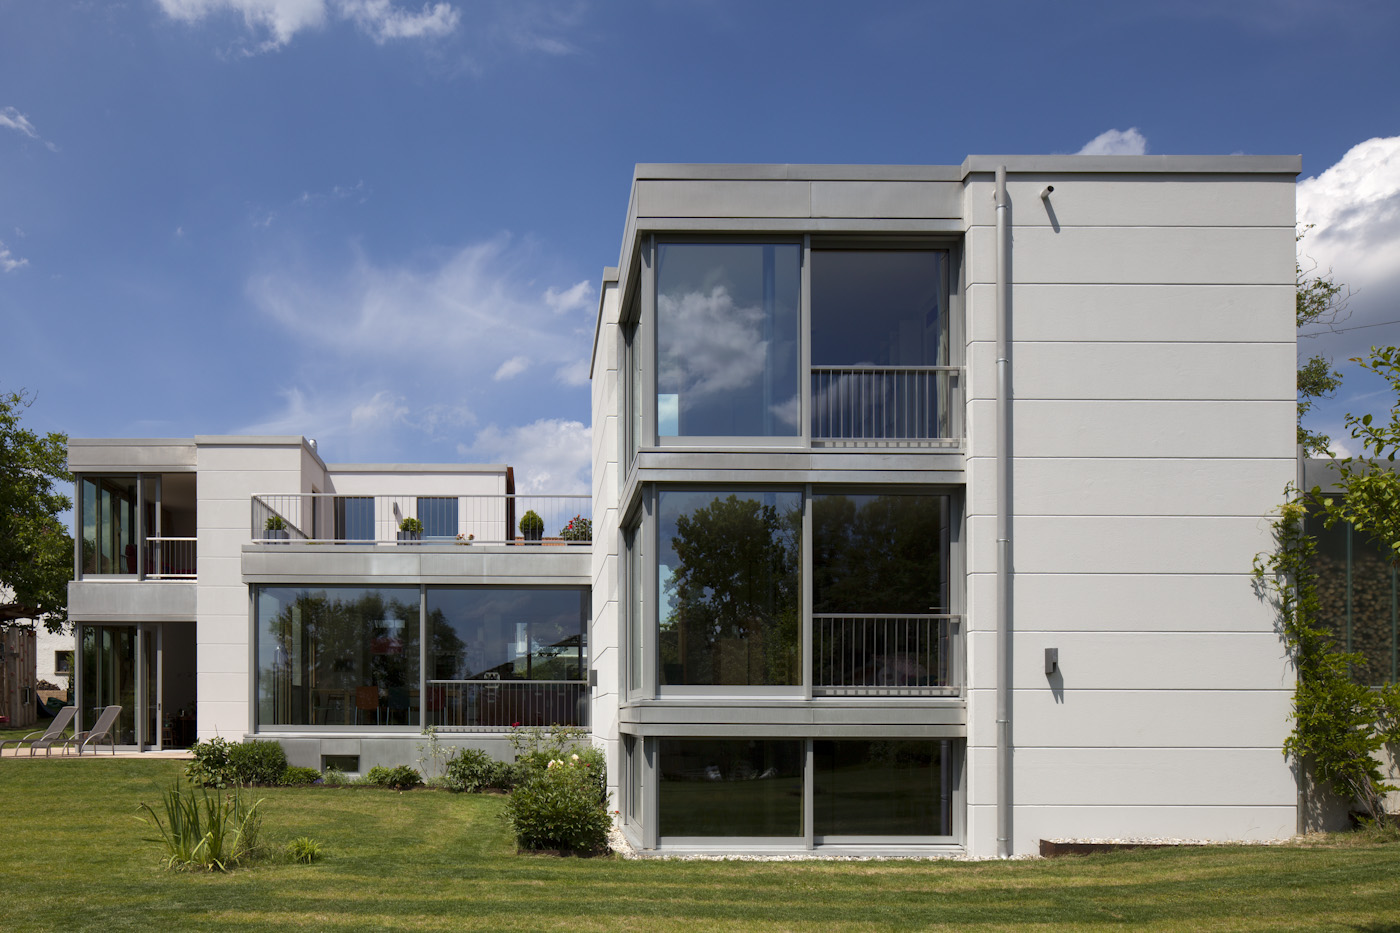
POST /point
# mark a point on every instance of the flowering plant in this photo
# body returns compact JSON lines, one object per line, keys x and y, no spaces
{"x":465,"y":539}
{"x":578,"y":529}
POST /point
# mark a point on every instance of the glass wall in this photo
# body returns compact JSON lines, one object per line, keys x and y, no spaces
{"x":109,"y":508}
{"x":438,"y":515}
{"x":354,"y":518}
{"x":727,"y":322}
{"x":499,"y":657}
{"x":729,"y":587}
{"x":1359,"y":598}
{"x":729,"y":787}
{"x":338,"y":656}
{"x":887,"y":787}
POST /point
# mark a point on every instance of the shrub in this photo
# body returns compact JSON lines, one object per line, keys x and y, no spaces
{"x":334,"y":777}
{"x":411,"y":525}
{"x":536,"y":746}
{"x":578,"y":529}
{"x":473,"y":771}
{"x":257,"y":762}
{"x":304,"y":850}
{"x":211,"y":766}
{"x":400,"y":777}
{"x":559,"y":808}
{"x":531,"y":522}
{"x":209,"y":831}
{"x":299,"y":777}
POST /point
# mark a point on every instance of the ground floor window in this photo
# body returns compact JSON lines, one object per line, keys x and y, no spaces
{"x":842,"y":791}
{"x":730,"y":787}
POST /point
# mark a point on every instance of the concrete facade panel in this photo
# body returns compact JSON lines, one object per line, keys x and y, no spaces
{"x":724,"y":199}
{"x":1139,"y":313}
{"x":1170,"y":201}
{"x":1132,"y":371}
{"x":1139,"y":255}
{"x":1124,"y":660}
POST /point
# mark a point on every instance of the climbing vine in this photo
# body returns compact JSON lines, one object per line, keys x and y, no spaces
{"x":1339,"y":725}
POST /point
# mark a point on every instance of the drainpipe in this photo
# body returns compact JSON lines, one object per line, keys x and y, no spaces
{"x":1003,"y":297}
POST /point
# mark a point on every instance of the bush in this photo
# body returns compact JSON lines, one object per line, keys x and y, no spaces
{"x":531,"y":522}
{"x":559,"y":808}
{"x":536,"y":746}
{"x":209,"y":831}
{"x":257,"y":762}
{"x":299,"y":777}
{"x":473,"y":771}
{"x":401,"y":777}
{"x":578,"y":529}
{"x":304,"y":850}
{"x":211,"y":766}
{"x":334,"y":777}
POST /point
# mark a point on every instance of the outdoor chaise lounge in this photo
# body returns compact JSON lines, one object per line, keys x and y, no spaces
{"x":100,"y":730}
{"x":46,"y":738}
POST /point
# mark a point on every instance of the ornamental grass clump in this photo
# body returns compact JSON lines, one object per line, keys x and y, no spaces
{"x":211,"y":832}
{"x":558,"y":808}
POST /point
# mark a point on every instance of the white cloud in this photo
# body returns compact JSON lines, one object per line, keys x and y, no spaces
{"x":9,"y":263}
{"x":472,"y":311}
{"x":550,"y":455}
{"x":511,"y":368}
{"x":1116,"y":142}
{"x":573,"y":374}
{"x":12,"y":119}
{"x":383,"y":408}
{"x":382,"y":21}
{"x":712,"y":345}
{"x":279,"y":20}
{"x":570,"y":299}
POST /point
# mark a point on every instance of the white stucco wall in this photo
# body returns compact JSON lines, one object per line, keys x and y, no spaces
{"x":1153,"y":386}
{"x":231,"y":471}
{"x":603,"y":648}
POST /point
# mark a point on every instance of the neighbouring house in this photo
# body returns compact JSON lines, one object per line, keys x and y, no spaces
{"x":923,"y":510}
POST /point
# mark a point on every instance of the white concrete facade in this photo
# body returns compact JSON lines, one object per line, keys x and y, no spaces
{"x":1152,"y":406}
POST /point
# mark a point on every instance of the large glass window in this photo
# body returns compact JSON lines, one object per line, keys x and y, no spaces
{"x":879,"y":336}
{"x":1358,"y":594}
{"x":354,"y":518}
{"x":730,"y":787}
{"x":438,"y":515}
{"x":337,"y":656}
{"x":500,"y":656}
{"x":109,"y":506}
{"x":729,"y":587}
{"x":885,"y":787}
{"x":727,"y":322}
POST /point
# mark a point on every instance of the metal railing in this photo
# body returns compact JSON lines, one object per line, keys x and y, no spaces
{"x":886,"y":655}
{"x":499,"y":705}
{"x":170,"y":558}
{"x":899,"y":405}
{"x":331,"y":518}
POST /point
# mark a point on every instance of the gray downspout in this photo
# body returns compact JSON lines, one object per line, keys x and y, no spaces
{"x":1003,"y":297}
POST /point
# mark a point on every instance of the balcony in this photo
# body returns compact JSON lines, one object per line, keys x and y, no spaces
{"x":413,"y":520}
{"x":906,"y":406}
{"x":887,"y":655}
{"x":498,"y":705}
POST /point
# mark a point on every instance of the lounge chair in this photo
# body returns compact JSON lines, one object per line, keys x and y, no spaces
{"x":46,"y":738}
{"x":100,"y":730}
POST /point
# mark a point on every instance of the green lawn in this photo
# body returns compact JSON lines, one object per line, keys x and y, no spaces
{"x":72,"y":857}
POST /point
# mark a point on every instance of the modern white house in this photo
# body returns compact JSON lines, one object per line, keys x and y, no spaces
{"x":924,"y":504}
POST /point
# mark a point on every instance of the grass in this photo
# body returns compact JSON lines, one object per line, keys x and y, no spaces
{"x":74,"y":858}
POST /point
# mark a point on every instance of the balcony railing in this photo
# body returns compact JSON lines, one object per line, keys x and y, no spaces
{"x":887,"y":655}
{"x":498,"y":705}
{"x":329,"y":518}
{"x":170,"y":558}
{"x":916,"y":406}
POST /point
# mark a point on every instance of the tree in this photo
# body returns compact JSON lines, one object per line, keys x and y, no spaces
{"x":1318,"y":300}
{"x":36,"y":552}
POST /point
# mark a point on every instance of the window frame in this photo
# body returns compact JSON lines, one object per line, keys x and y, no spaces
{"x":640,"y":346}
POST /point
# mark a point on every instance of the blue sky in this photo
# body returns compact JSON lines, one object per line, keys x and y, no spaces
{"x":381,"y":223}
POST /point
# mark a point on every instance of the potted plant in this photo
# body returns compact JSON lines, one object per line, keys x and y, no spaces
{"x":532,"y":526}
{"x":275,"y":528}
{"x":410,"y":529}
{"x":578,"y":529}
{"x":465,"y":539}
